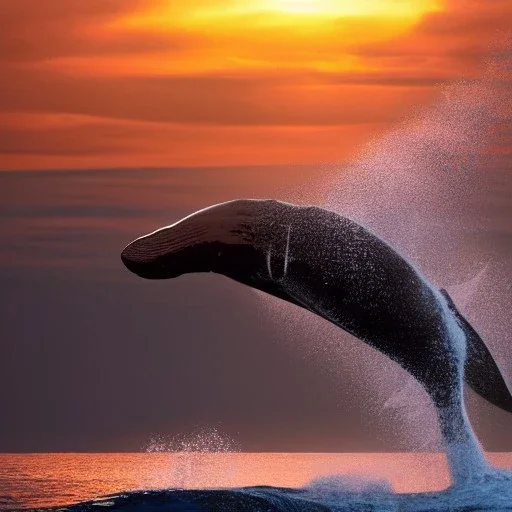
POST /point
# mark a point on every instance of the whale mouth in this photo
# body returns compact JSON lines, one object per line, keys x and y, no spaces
{"x":141,"y":262}
{"x":144,"y":267}
{"x":138,"y":267}
{"x":131,"y":265}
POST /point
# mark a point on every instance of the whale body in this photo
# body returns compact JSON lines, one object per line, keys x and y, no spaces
{"x":336,"y":268}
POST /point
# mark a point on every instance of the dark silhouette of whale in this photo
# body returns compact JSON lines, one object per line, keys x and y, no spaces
{"x":339,"y":270}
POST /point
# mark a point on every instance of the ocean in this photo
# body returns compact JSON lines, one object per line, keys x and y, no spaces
{"x":59,"y":479}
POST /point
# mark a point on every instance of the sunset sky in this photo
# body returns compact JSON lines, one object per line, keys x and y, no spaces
{"x":105,"y":107}
{"x":117,"y":83}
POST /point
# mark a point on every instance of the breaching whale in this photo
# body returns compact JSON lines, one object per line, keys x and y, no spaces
{"x":336,"y":268}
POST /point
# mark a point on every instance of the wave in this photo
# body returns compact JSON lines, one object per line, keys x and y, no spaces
{"x":490,"y":493}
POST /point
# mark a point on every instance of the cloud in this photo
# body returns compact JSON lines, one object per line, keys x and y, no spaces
{"x":250,"y":99}
{"x":23,"y":11}
{"x":57,"y":43}
{"x":457,"y":39}
{"x":168,"y":94}
{"x":38,"y":31}
{"x":90,"y":142}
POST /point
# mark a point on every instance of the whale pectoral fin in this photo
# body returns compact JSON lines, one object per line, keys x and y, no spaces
{"x":480,"y":369}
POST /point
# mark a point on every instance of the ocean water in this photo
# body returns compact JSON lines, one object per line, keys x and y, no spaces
{"x":377,"y":481}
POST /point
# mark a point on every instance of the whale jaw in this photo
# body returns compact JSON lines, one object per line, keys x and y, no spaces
{"x":146,"y":270}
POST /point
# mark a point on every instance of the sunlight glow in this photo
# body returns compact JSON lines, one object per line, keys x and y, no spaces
{"x":385,"y":8}
{"x":170,"y":13}
{"x":304,"y":6}
{"x":258,"y":35}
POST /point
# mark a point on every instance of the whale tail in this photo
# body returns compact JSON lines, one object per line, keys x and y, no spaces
{"x":480,"y":369}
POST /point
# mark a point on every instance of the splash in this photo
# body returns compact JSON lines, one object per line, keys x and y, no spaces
{"x":203,"y":440}
{"x":196,"y":457}
{"x":402,"y":187}
{"x":408,"y":186}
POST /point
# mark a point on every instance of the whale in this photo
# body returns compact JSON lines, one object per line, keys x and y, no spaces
{"x":336,"y":268}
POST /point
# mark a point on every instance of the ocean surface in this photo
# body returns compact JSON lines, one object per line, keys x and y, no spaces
{"x":47,"y":480}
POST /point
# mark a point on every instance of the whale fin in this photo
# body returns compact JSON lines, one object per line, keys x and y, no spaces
{"x":480,"y":370}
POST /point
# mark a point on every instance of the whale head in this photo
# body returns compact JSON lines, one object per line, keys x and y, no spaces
{"x":219,"y":239}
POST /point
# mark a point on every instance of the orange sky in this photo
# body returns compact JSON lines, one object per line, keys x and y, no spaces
{"x":221,"y":82}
